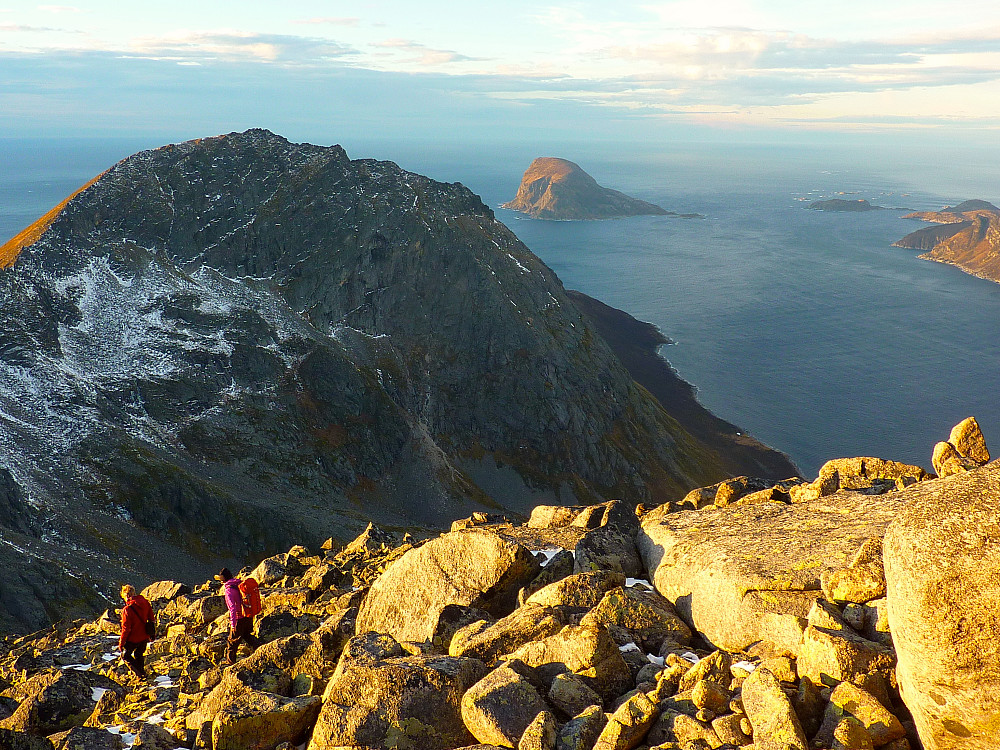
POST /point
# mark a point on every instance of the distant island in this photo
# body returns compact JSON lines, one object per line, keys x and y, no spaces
{"x":840,"y":204}
{"x":968,"y":236}
{"x":555,"y":189}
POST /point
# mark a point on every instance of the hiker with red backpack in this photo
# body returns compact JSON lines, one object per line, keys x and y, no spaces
{"x":243,"y":603}
{"x":138,"y":629}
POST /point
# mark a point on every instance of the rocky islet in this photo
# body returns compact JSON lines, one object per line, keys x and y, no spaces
{"x":880,"y":632}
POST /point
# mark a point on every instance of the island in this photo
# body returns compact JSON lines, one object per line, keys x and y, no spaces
{"x":966,"y":236}
{"x":840,"y":204}
{"x":557,"y":189}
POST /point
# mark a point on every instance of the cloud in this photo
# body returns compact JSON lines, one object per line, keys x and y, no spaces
{"x":241,"y":46}
{"x":59,"y":9}
{"x":421,"y":54}
{"x":18,"y":27}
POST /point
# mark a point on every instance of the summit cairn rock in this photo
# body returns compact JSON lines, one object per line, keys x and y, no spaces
{"x":941,"y":560}
{"x":475,"y":568}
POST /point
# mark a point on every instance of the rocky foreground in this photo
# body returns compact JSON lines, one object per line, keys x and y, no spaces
{"x":856,"y":611}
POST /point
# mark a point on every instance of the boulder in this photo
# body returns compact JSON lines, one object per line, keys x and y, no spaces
{"x":948,"y":461}
{"x":644,"y":618}
{"x":56,"y":701}
{"x":831,"y":655}
{"x":88,"y":738}
{"x":628,"y":725}
{"x":164,"y":591}
{"x":532,"y":622}
{"x":582,"y":590}
{"x":587,"y":651}
{"x":941,"y":556}
{"x":680,"y":728}
{"x":571,"y":695}
{"x":499,"y":707}
{"x":272,"y":569}
{"x":260,"y":721}
{"x":12,"y":740}
{"x":582,"y":731}
{"x":410,"y":703}
{"x":968,"y":440}
{"x":474,"y":568}
{"x":878,"y":722}
{"x":862,"y":581}
{"x":771,"y":714}
{"x":608,"y":548}
{"x":553,"y":516}
{"x":540,"y":734}
{"x":557,"y":568}
{"x":724,"y":581}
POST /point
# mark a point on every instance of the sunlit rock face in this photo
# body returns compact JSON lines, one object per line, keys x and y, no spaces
{"x":554,"y":188}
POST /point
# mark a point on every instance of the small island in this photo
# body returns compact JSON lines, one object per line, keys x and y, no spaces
{"x":966,"y":236}
{"x":840,"y":204}
{"x":557,"y":189}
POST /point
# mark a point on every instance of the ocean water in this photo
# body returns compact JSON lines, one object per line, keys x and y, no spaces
{"x":806,"y":328}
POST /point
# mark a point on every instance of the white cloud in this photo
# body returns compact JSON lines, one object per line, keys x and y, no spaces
{"x":421,"y":54}
{"x":240,"y":46}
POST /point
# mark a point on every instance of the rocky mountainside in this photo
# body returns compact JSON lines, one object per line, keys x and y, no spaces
{"x":861,"y":612}
{"x":554,"y":188}
{"x":221,"y":346}
{"x":968,"y":237}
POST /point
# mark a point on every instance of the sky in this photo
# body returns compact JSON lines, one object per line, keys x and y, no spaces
{"x":491,"y":71}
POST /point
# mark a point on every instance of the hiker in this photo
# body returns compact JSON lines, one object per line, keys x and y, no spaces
{"x":240,"y":624}
{"x":138,"y":625}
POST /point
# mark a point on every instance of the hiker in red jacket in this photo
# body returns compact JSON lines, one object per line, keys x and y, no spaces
{"x":135,"y":634}
{"x":240,"y":626}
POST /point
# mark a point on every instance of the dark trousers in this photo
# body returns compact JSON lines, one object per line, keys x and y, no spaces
{"x":242,"y":633}
{"x":134,"y":654}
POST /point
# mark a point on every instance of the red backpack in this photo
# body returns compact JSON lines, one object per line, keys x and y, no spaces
{"x":251,"y":597}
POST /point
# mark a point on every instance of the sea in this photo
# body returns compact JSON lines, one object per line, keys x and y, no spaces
{"x":805,"y":328}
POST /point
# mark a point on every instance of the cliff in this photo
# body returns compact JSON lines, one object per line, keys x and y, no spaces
{"x":554,"y":188}
{"x":968,"y":236}
{"x":226,"y":345}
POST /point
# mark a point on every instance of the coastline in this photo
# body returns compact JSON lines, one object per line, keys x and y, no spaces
{"x":636,"y":344}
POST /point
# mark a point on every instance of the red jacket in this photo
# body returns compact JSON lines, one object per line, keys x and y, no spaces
{"x":135,"y":613}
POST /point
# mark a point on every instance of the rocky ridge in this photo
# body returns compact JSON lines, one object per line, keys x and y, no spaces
{"x":968,"y":236}
{"x":224,"y":342}
{"x":867,"y":619}
{"x":558,"y":189}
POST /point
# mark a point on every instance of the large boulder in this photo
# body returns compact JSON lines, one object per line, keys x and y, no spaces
{"x":941,"y":559}
{"x":164,"y":591}
{"x":408,"y":703}
{"x":641,"y":617}
{"x":499,"y":707}
{"x":261,"y":721}
{"x":582,"y":590}
{"x":55,"y":701}
{"x":775,"y":724}
{"x":587,"y":651}
{"x":475,"y":567}
{"x":532,"y":622}
{"x":728,"y":583}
